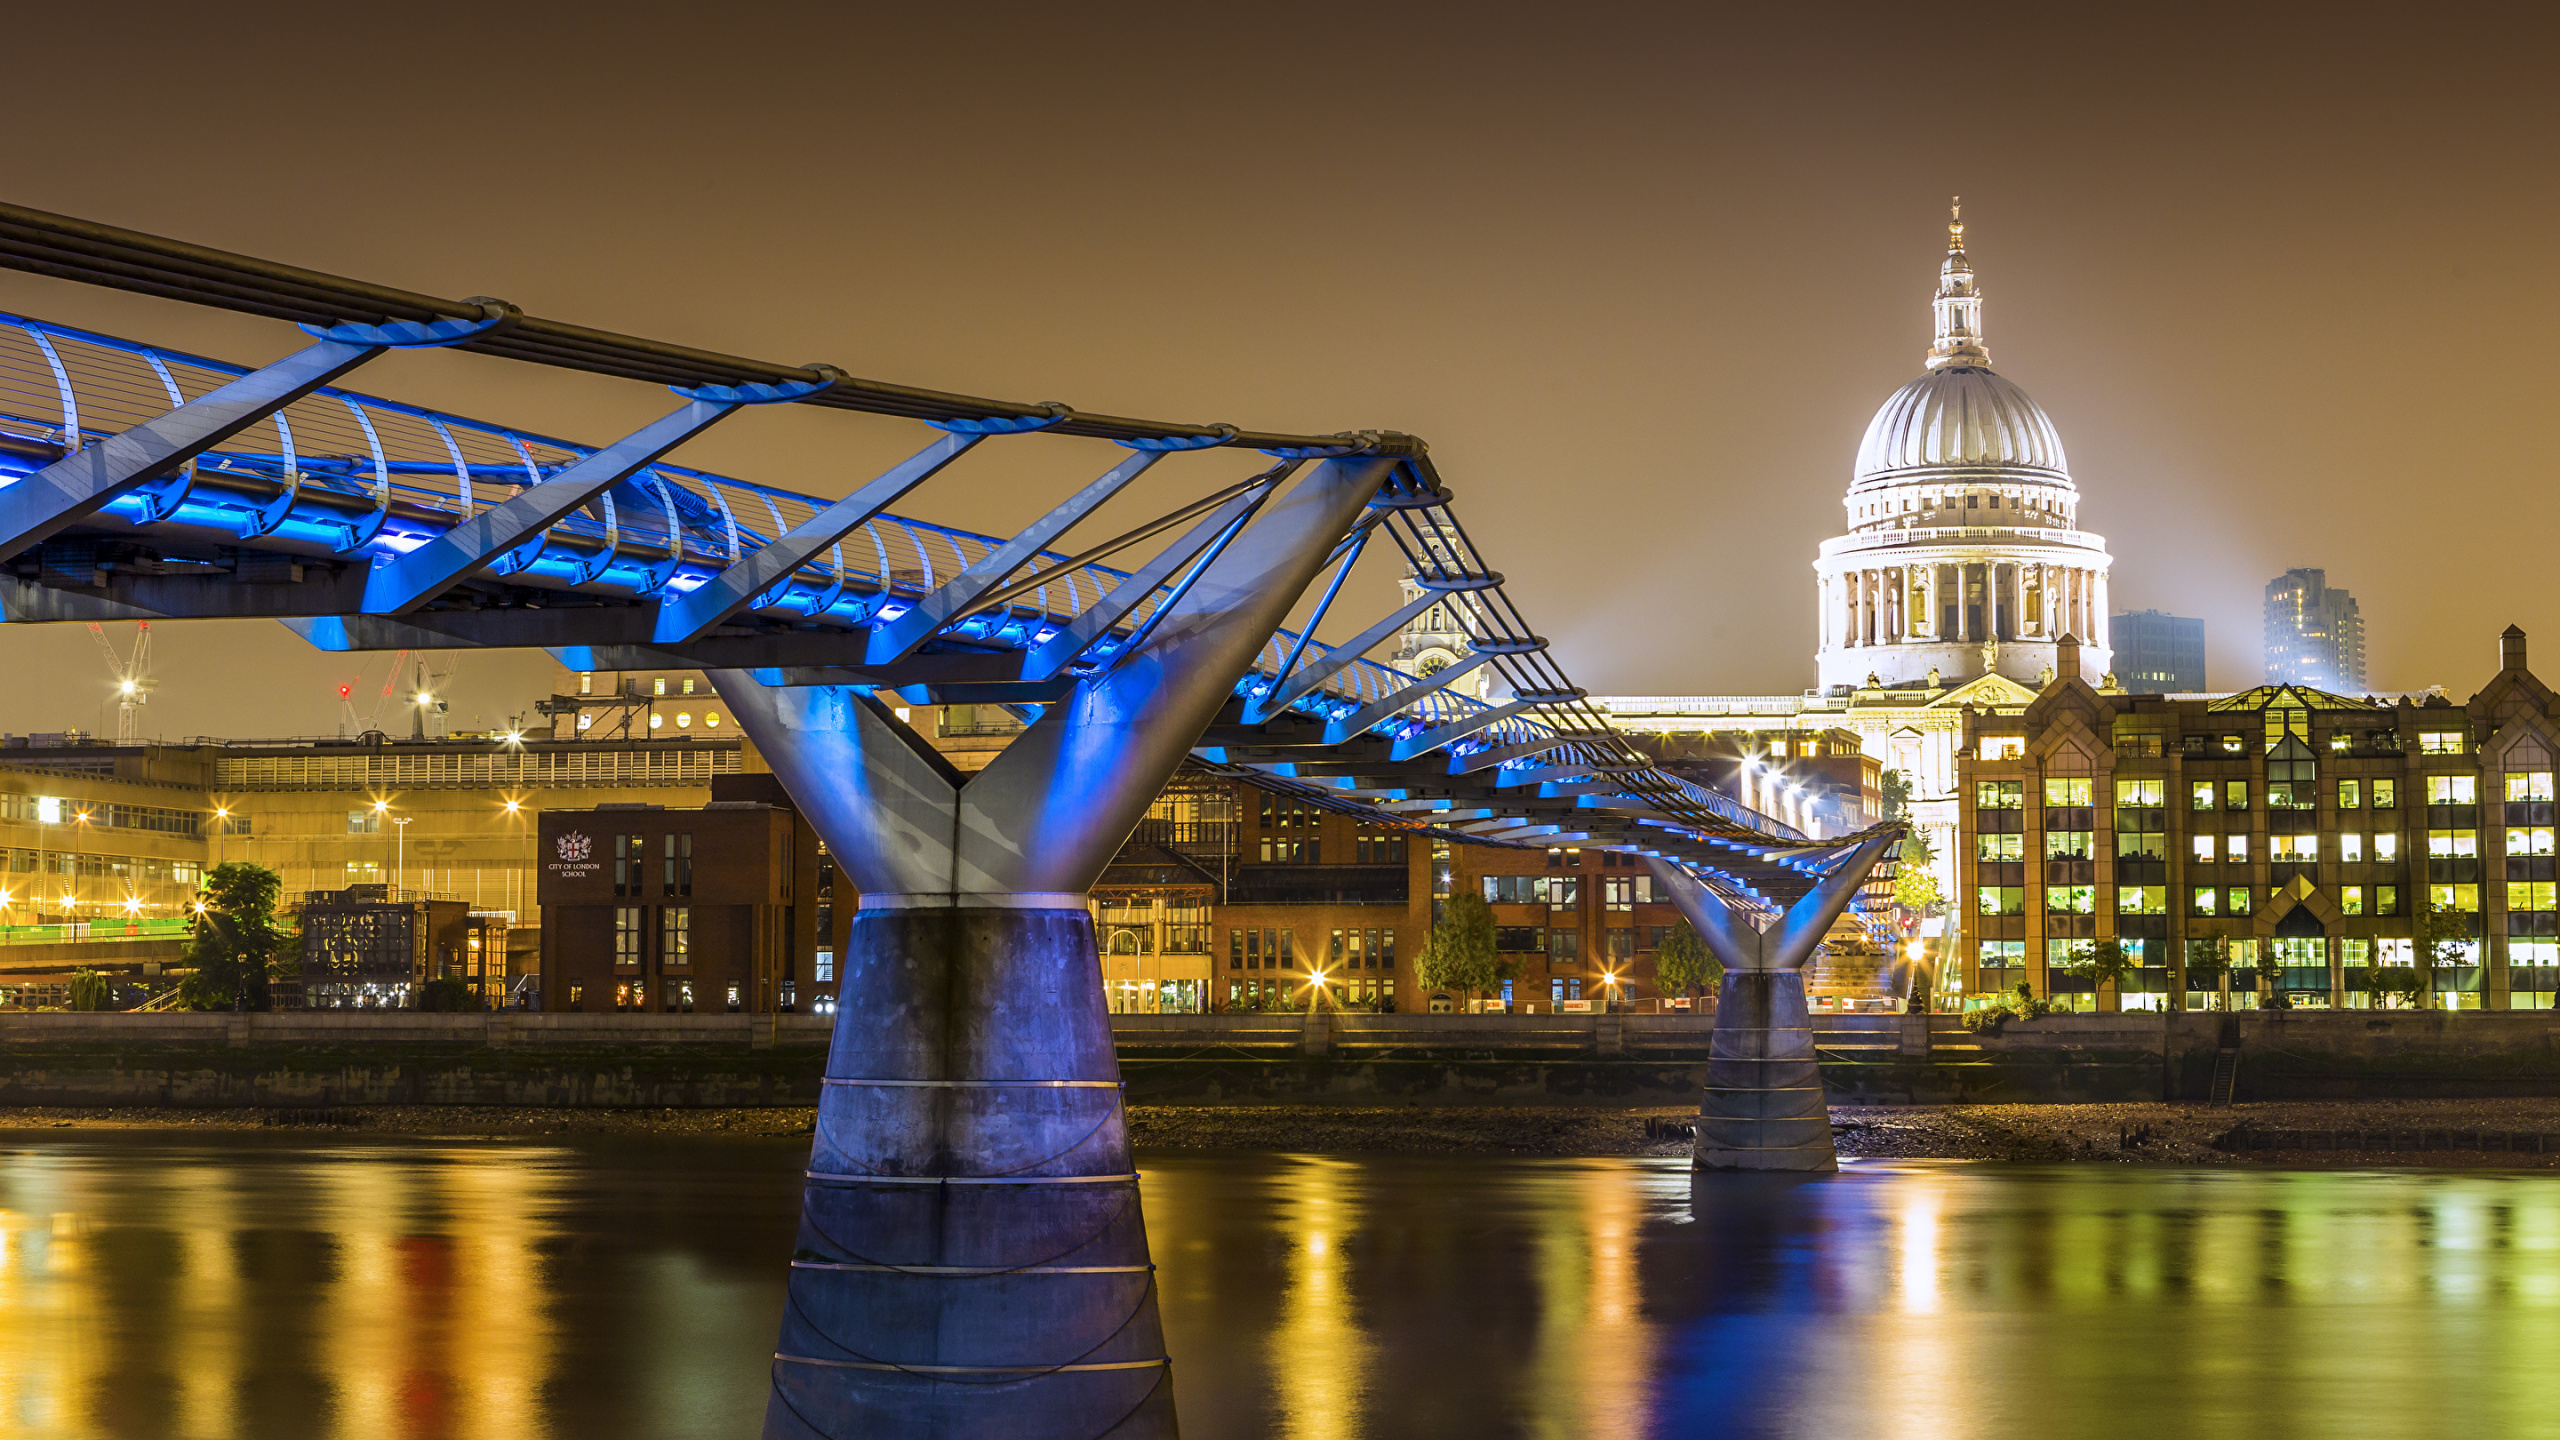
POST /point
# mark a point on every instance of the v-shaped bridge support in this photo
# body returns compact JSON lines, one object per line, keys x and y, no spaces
{"x":1764,"y":1108}
{"x":972,"y":1257}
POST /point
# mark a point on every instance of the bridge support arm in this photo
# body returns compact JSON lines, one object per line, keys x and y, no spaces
{"x":1763,"y":1107}
{"x":970,"y":1142}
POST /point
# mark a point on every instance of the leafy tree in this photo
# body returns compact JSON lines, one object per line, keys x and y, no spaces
{"x":2393,"y":986}
{"x":2208,"y":961}
{"x":2441,"y":945}
{"x":89,"y":991}
{"x":2107,"y":963}
{"x":237,"y":948}
{"x":1897,"y":795}
{"x":1461,"y":954}
{"x":1915,"y":888}
{"x":1683,"y":960}
{"x":447,"y":994}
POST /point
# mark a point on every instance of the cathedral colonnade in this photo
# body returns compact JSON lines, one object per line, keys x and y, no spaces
{"x":1965,"y":602}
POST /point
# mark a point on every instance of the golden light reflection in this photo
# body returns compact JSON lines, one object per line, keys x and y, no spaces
{"x":1326,"y":1357}
{"x":1595,"y":1353}
{"x":172,"y":1291}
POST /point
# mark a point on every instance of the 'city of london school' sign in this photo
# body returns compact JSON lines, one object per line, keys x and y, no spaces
{"x":573,"y":854}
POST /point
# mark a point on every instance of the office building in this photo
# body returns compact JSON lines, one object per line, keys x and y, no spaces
{"x":2159,"y":654}
{"x":2315,"y":634}
{"x":2308,"y":840}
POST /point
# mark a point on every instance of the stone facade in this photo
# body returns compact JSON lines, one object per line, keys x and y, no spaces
{"x":2308,"y":839}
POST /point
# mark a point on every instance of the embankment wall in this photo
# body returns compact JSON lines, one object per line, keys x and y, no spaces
{"x":310,"y":1059}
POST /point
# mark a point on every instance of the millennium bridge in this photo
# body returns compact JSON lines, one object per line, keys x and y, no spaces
{"x":972,"y":1258}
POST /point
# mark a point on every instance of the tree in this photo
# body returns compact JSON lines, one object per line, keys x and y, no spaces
{"x":2208,"y":961}
{"x":2108,"y":964}
{"x":1915,"y":888}
{"x":1897,"y":795}
{"x":1683,"y":960}
{"x":89,"y":991}
{"x":1461,"y":954}
{"x":447,"y":994}
{"x":237,"y":947}
{"x":2445,"y":942}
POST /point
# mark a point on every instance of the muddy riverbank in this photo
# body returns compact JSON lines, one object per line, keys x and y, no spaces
{"x":2503,"y":1133}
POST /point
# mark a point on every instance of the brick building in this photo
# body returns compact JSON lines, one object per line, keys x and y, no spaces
{"x":684,"y":910}
{"x":2305,"y":838}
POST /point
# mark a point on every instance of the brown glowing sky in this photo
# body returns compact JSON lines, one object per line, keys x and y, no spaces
{"x":1640,"y":275}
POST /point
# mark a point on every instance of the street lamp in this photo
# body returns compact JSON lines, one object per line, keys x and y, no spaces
{"x":400,"y":862}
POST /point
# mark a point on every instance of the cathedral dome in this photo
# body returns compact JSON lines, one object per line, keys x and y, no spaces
{"x":1960,"y":418}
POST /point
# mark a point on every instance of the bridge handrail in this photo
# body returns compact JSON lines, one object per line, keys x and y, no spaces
{"x":352,"y":463}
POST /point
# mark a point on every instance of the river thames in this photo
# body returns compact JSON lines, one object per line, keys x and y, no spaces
{"x":286,"y":1285}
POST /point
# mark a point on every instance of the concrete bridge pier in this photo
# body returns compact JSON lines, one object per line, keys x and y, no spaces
{"x":1764,"y":1108}
{"x":972,"y":1258}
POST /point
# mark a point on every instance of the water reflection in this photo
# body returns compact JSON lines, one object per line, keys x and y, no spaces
{"x":277,"y":1287}
{"x":1555,"y":1298}
{"x":283,"y":1286}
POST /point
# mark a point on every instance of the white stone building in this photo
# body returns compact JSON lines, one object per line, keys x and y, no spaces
{"x":1964,"y":555}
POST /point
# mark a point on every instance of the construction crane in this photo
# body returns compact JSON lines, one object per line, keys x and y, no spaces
{"x":133,"y":679}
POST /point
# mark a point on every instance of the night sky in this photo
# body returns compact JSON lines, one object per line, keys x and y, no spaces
{"x":1640,"y":275}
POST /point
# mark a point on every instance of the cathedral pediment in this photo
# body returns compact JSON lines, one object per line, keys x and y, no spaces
{"x":1991,"y":692}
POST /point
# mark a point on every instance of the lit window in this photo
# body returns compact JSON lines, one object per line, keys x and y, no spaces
{"x":2350,"y":794}
{"x":2294,"y":849}
{"x":661,"y":685}
{"x":2440,"y":742}
{"x":586,"y":682}
{"x":2235,"y":794}
{"x":711,"y":720}
{"x":2456,"y":844}
{"x":2067,"y":792}
{"x":657,"y":720}
{"x":2205,"y":898}
{"x":2236,"y":900}
{"x":585,"y":720}
{"x":2235,"y":848}
{"x":2351,"y":899}
{"x":2204,"y":848}
{"x":2461,"y":899}
{"x":826,"y":967}
{"x":2000,"y":847}
{"x":2529,"y":840}
{"x":2524,"y":785}
{"x":2200,"y":795}
{"x":2453,"y":790}
{"x":2350,"y":847}
{"x":688,"y":685}
{"x":2067,"y":844}
{"x":684,"y":720}
{"x":2004,"y":747}
{"x":2530,"y":894}
{"x":1998,"y":795}
{"x":2386,"y":845}
{"x":2143,"y":794}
